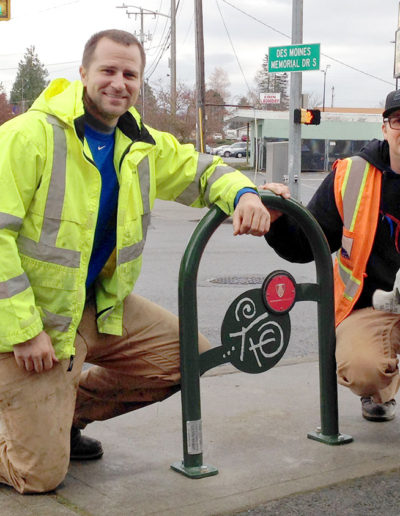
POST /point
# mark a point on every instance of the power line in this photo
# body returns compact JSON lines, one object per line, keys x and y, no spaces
{"x":233,"y":48}
{"x":44,"y":64}
{"x":37,"y":12}
{"x":325,"y":55}
{"x":163,"y":48}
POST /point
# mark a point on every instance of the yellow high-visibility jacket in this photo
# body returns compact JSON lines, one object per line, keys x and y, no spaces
{"x":49,"y":200}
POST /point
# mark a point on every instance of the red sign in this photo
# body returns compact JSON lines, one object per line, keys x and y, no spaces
{"x":279,"y":292}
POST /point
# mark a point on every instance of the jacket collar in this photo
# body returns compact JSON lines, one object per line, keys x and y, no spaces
{"x":127,"y":124}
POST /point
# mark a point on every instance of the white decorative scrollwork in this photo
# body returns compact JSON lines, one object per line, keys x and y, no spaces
{"x":248,"y":308}
{"x":267,"y":332}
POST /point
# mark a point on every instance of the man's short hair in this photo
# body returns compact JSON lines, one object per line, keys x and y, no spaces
{"x":118,"y":36}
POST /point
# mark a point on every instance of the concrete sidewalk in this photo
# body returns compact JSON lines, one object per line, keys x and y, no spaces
{"x":254,"y":431}
{"x":254,"y":426}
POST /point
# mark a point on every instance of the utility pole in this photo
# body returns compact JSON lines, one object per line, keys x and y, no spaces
{"x":142,"y":37}
{"x":294,"y":151}
{"x":200,"y":85}
{"x":173,"y":60}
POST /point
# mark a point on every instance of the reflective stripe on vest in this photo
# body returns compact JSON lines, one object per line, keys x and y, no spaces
{"x":57,"y":322}
{"x":218,"y":172}
{"x":127,"y":254}
{"x":191,"y":193}
{"x":352,"y":192}
{"x":352,"y":283}
{"x":14,"y":286}
{"x":46,"y":250}
{"x":11,"y":222}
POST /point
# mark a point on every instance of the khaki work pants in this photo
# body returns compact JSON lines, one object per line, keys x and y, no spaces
{"x":367,"y":345}
{"x":129,"y":372}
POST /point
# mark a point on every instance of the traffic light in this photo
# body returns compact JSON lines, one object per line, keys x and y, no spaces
{"x":307,"y":116}
{"x":4,"y":9}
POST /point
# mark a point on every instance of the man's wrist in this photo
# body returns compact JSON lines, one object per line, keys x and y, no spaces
{"x":242,"y":191}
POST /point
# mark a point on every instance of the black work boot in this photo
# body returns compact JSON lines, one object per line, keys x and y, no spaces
{"x":84,"y":448}
{"x":377,"y":411}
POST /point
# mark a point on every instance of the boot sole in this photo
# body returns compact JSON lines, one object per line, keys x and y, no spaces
{"x":378,"y":419}
{"x":87,"y":457}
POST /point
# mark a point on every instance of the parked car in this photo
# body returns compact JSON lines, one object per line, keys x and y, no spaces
{"x":220,"y":150}
{"x":236,"y":150}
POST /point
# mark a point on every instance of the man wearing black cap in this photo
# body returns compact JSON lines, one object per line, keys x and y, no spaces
{"x":358,"y":208}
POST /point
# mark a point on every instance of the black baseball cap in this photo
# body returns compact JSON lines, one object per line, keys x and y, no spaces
{"x":392,"y":103}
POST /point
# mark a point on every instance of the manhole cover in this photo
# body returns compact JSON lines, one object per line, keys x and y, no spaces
{"x":238,"y":280}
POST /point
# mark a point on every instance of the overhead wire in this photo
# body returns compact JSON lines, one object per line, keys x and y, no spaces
{"x":154,"y":31}
{"x":36,"y":12}
{"x":163,"y":49}
{"x":188,"y":29}
{"x":233,"y":48}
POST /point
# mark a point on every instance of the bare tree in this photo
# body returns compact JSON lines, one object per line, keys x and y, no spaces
{"x":183,"y":124}
{"x":314,"y":99}
{"x":6,"y":111}
{"x":219,"y":82}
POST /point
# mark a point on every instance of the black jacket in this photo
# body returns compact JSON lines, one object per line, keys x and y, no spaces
{"x":289,"y":241}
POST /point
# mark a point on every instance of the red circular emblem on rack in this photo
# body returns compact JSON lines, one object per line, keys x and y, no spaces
{"x":279,"y":292}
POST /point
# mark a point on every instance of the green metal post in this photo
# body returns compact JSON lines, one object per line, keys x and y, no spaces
{"x":192,"y":465}
{"x":329,"y":431}
{"x":322,"y":292}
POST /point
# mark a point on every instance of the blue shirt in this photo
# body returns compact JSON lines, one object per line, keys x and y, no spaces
{"x":102,"y":148}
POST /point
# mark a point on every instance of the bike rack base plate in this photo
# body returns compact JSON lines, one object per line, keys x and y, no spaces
{"x":194,"y":471}
{"x":330,"y":439}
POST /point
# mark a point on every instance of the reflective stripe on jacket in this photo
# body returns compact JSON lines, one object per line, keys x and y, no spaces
{"x":357,"y":196}
{"x":49,"y":199}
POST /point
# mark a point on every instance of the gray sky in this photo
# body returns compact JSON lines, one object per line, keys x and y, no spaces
{"x":352,"y":33}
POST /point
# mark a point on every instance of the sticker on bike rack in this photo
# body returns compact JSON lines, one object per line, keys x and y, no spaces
{"x":194,"y":437}
{"x":279,"y":292}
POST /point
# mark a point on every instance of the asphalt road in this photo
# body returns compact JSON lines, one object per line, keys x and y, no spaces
{"x":229,"y":266}
{"x":375,"y":495}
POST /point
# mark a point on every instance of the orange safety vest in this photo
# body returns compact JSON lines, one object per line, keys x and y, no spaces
{"x":357,"y":195}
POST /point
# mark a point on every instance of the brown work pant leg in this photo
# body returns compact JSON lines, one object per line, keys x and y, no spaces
{"x":367,"y":344}
{"x":132,"y":371}
{"x":36,"y":411}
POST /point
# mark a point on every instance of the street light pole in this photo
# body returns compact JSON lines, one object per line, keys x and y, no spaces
{"x":324,"y":72}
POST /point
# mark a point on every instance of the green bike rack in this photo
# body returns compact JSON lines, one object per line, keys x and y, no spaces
{"x":193,"y":364}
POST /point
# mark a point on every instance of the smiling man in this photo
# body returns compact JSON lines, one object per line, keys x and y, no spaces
{"x":357,"y":206}
{"x":111,"y":76}
{"x":79,"y":173}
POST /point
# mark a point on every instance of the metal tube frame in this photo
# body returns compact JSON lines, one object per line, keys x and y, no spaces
{"x":192,"y":364}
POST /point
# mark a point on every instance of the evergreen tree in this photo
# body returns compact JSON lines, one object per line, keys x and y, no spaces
{"x":244,"y":101}
{"x":30,"y":81}
{"x":272,"y":83}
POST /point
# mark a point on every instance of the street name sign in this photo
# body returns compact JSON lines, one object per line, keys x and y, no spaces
{"x":294,"y":58}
